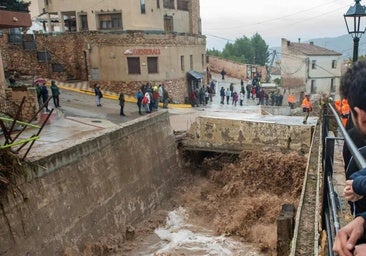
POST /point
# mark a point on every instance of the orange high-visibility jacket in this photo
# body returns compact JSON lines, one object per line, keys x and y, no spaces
{"x":338,"y":105}
{"x":291,"y":98}
{"x":345,"y":111}
{"x":306,"y":104}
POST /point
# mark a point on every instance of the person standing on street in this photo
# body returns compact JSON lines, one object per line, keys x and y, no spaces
{"x":55,"y":91}
{"x":241,"y":98}
{"x":307,"y":107}
{"x":44,"y":94}
{"x":98,"y":95}
{"x":223,"y":73}
{"x":165,"y":97}
{"x":228,"y":95}
{"x":291,"y":101}
{"x":222,"y":95}
{"x":121,"y":103}
{"x":139,"y":96}
{"x":39,"y":95}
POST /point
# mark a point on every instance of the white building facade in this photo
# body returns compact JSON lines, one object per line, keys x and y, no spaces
{"x":307,"y":68}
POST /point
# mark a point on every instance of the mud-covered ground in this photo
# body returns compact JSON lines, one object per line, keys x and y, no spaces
{"x":236,"y":196}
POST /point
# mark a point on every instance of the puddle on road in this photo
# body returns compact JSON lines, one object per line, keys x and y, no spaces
{"x":179,"y":237}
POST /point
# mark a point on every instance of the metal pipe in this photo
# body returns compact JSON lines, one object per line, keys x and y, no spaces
{"x":361,"y":163}
{"x":328,"y":227}
{"x":333,"y":204}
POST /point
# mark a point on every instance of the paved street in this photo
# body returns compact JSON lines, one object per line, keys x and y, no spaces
{"x":79,"y":118}
{"x":74,"y":104}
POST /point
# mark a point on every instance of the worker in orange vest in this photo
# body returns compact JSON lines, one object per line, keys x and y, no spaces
{"x":345,"y":112}
{"x":291,"y":101}
{"x":307,"y":107}
{"x":343,"y":109}
{"x":338,"y":105}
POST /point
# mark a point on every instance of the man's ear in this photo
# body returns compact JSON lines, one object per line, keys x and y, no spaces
{"x":360,"y":115}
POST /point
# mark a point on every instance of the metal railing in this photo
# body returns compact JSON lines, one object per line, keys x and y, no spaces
{"x":331,"y":203}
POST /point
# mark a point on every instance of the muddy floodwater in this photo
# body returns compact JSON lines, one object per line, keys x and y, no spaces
{"x":180,"y":237}
{"x":225,"y":205}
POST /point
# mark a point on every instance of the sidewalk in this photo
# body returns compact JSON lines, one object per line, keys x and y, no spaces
{"x":83,"y":87}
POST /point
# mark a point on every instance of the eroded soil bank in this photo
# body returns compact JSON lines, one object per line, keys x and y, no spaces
{"x":236,"y":196}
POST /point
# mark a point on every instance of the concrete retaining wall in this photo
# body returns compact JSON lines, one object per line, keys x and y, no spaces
{"x":235,"y":135}
{"x":93,"y":191}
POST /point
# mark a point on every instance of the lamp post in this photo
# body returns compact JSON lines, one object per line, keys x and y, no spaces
{"x":355,"y":25}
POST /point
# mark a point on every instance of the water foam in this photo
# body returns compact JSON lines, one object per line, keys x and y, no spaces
{"x":178,"y":237}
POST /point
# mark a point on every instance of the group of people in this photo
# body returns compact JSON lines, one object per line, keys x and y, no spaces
{"x":148,"y":97}
{"x":201,"y":96}
{"x":351,"y":239}
{"x":43,"y":95}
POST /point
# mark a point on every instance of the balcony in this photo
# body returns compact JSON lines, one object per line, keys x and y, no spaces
{"x":12,"y":19}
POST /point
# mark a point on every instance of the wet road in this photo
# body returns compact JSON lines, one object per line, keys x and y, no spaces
{"x":76,"y":104}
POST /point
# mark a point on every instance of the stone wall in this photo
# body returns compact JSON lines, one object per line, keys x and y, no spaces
{"x":79,"y":53}
{"x":14,"y":97}
{"x":233,"y":69}
{"x":93,"y":191}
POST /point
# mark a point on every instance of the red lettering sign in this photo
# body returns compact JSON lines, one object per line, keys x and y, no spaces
{"x":142,"y":52}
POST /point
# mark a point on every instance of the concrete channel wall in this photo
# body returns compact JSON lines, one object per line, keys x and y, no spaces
{"x":235,"y":135}
{"x":91,"y":191}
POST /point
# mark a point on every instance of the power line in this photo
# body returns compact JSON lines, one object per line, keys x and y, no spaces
{"x":283,"y":17}
{"x":279,"y":18}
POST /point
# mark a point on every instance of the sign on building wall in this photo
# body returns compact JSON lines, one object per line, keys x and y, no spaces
{"x":142,"y":52}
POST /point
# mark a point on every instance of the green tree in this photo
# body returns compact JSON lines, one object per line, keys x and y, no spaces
{"x":245,"y":50}
{"x":14,"y":5}
{"x":213,"y":52}
{"x":277,"y":81}
{"x":260,"y":50}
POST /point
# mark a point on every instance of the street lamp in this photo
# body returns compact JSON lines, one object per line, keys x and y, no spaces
{"x":355,"y":25}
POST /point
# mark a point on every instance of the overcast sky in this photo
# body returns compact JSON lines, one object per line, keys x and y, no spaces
{"x":224,"y":20}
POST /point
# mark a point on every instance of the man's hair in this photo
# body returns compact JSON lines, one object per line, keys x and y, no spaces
{"x":353,"y":85}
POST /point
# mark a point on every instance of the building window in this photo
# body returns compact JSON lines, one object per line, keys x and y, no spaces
{"x":15,"y":36}
{"x":182,"y":5}
{"x":110,"y":21}
{"x":334,"y":64}
{"x":83,"y":22}
{"x":142,"y":5}
{"x":182,"y":63}
{"x":168,"y":23}
{"x":313,"y":64}
{"x":133,"y":65}
{"x":169,"y":4}
{"x":152,"y":65}
{"x":46,"y":2}
{"x":191,"y":62}
{"x":158,"y":4}
{"x":203,"y":60}
{"x":313,"y":87}
{"x":332,"y":85}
